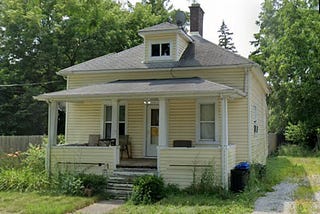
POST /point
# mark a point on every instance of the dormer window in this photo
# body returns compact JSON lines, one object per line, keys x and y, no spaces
{"x":162,"y":49}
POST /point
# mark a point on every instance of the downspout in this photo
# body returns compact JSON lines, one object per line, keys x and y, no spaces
{"x":248,"y":89}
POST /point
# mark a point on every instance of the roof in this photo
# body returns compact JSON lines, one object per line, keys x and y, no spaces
{"x":145,"y":88}
{"x":160,"y":27}
{"x":199,"y":54}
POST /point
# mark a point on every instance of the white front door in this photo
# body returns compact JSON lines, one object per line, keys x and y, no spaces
{"x":152,"y":130}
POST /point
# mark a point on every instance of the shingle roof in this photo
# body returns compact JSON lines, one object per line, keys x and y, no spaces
{"x":200,"y":53}
{"x":161,"y":27}
{"x":154,"y":87}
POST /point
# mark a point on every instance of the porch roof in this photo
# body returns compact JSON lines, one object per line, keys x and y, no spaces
{"x":145,"y":88}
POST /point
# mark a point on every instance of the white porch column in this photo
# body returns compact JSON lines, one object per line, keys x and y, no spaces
{"x":163,"y":122}
{"x":224,"y":145}
{"x":52,"y":131}
{"x":115,"y":128}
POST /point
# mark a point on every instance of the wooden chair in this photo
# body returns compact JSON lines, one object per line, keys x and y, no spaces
{"x":93,"y":140}
{"x":124,"y":145}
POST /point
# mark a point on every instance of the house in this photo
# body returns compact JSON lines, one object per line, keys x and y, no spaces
{"x":173,"y":89}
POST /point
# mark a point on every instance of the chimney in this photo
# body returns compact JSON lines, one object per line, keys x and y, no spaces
{"x":196,"y":19}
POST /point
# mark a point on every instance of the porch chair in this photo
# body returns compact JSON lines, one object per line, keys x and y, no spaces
{"x":124,"y":145}
{"x":93,"y":140}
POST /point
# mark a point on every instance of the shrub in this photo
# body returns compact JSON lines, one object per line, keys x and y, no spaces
{"x":23,"y":180}
{"x":147,"y":189}
{"x":35,"y":158}
{"x":68,"y":184}
{"x":93,"y":184}
{"x":172,"y":189}
{"x":296,"y":133}
{"x":293,"y":150}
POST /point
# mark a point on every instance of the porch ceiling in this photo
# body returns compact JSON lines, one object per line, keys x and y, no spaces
{"x":174,"y":87}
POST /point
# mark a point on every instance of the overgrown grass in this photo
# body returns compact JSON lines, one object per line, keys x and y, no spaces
{"x":294,"y":167}
{"x":33,"y":203}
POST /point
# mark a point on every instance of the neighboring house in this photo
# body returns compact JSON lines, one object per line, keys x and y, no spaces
{"x":174,"y":86}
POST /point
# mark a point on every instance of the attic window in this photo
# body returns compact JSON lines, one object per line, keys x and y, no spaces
{"x":162,"y":49}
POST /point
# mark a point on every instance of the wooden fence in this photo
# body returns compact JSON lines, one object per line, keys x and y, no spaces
{"x":9,"y":144}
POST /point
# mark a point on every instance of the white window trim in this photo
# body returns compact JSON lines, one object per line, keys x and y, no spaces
{"x":207,"y":101}
{"x":103,"y":115}
{"x":160,"y":58}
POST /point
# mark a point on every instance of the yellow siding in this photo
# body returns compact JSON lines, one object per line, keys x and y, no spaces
{"x":83,"y":119}
{"x":231,"y":157}
{"x":83,"y":159}
{"x":231,"y":77}
{"x":181,"y":47}
{"x":173,"y":163}
{"x":258,"y":140}
{"x":136,"y":127}
{"x":238,"y":128}
{"x":182,"y":120}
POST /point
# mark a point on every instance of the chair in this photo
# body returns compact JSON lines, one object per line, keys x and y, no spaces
{"x":93,"y":140}
{"x":124,"y":144}
{"x":182,"y":143}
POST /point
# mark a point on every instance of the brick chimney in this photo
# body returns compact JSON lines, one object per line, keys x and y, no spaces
{"x":196,"y":19}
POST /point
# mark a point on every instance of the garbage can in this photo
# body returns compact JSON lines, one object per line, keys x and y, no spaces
{"x":240,"y":176}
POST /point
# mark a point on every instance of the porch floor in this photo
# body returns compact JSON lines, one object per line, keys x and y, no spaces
{"x":137,"y":163}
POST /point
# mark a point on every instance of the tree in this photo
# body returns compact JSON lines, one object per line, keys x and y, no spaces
{"x":225,"y":39}
{"x":288,"y":49}
{"x":38,"y":38}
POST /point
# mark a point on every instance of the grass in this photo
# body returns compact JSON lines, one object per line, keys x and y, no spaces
{"x":32,"y":203}
{"x":304,"y":170}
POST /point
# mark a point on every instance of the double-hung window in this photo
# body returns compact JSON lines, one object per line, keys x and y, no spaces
{"x":207,"y":122}
{"x":108,"y":120}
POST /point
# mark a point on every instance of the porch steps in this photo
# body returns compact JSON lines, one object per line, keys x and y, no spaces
{"x":120,"y":184}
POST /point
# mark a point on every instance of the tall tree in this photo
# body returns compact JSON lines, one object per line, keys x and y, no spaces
{"x":38,"y":38}
{"x":225,"y":38}
{"x":288,"y":49}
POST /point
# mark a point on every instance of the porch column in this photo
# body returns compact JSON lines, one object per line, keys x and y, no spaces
{"x":115,"y":128}
{"x":52,"y":131}
{"x":163,"y":122}
{"x":224,"y":145}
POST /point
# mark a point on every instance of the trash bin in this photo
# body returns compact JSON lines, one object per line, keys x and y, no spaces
{"x":240,"y":176}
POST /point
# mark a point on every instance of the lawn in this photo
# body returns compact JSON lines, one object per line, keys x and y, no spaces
{"x":34,"y":203}
{"x":303,"y":170}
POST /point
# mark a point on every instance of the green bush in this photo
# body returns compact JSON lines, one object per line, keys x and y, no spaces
{"x":147,"y":189}
{"x":35,"y":158}
{"x":293,"y":150}
{"x":69,"y":184}
{"x":296,"y":133}
{"x":23,"y":180}
{"x":96,"y":184}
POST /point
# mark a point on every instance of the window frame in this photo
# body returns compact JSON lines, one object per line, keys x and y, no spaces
{"x":199,"y":122}
{"x":161,"y":57}
{"x":104,"y":122}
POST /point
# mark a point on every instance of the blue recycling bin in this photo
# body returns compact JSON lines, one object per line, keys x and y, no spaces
{"x":240,"y":176}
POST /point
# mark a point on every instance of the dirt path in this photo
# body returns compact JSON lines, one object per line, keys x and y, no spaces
{"x":101,"y":207}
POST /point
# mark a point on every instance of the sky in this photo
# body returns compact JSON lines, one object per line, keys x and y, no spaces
{"x":239,"y":15}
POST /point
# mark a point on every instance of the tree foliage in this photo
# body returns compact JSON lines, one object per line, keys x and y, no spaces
{"x":288,"y":49}
{"x":225,"y":38}
{"x":38,"y":38}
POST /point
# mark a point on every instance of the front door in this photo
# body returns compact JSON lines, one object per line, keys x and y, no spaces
{"x":152,"y":130}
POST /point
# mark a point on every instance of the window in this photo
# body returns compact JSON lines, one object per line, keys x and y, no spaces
{"x":108,"y":121}
{"x":255,"y":120}
{"x":207,"y":122}
{"x":162,"y":49}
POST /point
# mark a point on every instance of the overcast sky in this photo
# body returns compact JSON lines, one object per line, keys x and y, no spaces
{"x":239,"y":15}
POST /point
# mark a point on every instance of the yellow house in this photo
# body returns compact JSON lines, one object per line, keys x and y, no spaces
{"x":182,"y":101}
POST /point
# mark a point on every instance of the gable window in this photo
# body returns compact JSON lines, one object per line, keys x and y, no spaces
{"x":162,"y":49}
{"x":206,"y":124}
{"x":108,"y":120}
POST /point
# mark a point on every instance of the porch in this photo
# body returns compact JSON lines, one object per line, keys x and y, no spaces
{"x":160,"y":112}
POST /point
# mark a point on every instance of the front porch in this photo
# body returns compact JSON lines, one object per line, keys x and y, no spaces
{"x":170,"y":111}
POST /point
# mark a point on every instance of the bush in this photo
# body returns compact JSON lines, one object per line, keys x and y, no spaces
{"x":35,"y":158}
{"x":23,"y":180}
{"x":293,"y":150}
{"x":296,"y":133}
{"x":147,"y":189}
{"x":68,"y":184}
{"x":94,"y":184}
